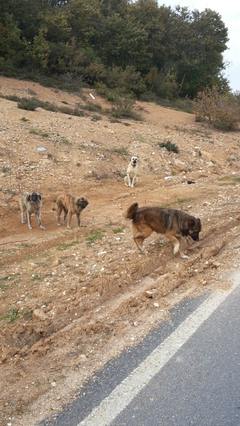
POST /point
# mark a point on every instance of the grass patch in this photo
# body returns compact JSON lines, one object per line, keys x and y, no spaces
{"x":64,"y":246}
{"x":38,"y":133}
{"x":36,"y":277}
{"x":116,"y":231}
{"x":228,"y":180}
{"x":95,"y":235}
{"x":12,"y":315}
{"x":27,"y":313}
{"x":121,"y":151}
{"x":65,"y":141}
{"x":96,"y":117}
{"x":5,"y":169}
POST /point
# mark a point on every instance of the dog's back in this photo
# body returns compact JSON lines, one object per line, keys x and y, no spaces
{"x":161,"y":220}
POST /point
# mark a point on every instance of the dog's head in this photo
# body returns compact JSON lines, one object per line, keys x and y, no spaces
{"x":34,"y":197}
{"x":81,"y":202}
{"x":134,"y":161}
{"x":192,"y":228}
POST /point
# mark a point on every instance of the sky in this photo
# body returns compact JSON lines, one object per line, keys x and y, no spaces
{"x":229,"y":10}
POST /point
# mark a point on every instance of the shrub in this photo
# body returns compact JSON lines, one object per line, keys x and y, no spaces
{"x":28,"y":104}
{"x":220,"y":109}
{"x":171,"y":147}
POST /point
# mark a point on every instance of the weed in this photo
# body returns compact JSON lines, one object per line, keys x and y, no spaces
{"x":65,"y":141}
{"x":44,"y":265}
{"x":36,"y":277}
{"x":6,"y":169}
{"x":95,"y":235}
{"x":116,"y":231}
{"x":96,"y":117}
{"x":39,"y":133}
{"x":13,"y":98}
{"x":78,"y":164}
{"x":46,"y":303}
{"x":24,"y":119}
{"x":12,"y":315}
{"x":64,"y":246}
{"x":27,"y":313}
{"x":121,"y":151}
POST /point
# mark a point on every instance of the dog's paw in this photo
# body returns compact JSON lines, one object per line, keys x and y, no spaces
{"x":184,"y":256}
{"x":30,"y":227}
{"x":23,"y":221}
{"x":59,"y":224}
{"x":42,"y":227}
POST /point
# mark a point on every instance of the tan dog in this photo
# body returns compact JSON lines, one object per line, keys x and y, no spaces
{"x":174,"y":224}
{"x":71,"y":205}
{"x":131,"y":179}
{"x":31,"y":203}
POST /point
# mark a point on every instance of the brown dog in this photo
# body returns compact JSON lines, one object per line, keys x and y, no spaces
{"x":70,"y":205}
{"x":31,"y":203}
{"x":174,"y":224}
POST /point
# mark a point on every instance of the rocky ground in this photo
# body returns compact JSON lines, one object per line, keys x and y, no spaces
{"x":73,"y":299}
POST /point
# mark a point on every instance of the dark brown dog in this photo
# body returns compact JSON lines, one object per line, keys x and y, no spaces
{"x":31,"y":203}
{"x":70,"y":205}
{"x":174,"y":224}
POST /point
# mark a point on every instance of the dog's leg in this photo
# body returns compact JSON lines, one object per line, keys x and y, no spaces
{"x":140,"y":235}
{"x":139,"y":242}
{"x":29,"y":220}
{"x":59,"y":211}
{"x":39,"y":221}
{"x":134,"y":181}
{"x":69,"y":217}
{"x":65,"y":216}
{"x":126,"y":180}
{"x":78,"y":219}
{"x":22,"y":213}
{"x":176,"y":245}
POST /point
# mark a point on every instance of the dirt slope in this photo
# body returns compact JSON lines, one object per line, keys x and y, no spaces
{"x":70,"y":300}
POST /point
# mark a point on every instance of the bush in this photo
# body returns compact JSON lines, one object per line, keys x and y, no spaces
{"x":28,"y":104}
{"x":171,"y":147}
{"x":222,"y":110}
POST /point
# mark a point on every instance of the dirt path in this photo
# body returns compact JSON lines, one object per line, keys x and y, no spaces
{"x":71,"y":300}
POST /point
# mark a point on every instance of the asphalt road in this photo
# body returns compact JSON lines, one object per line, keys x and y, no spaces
{"x":186,"y":372}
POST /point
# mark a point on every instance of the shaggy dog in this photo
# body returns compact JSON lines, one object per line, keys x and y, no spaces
{"x":131,"y":178}
{"x":31,"y":203}
{"x":71,"y":205}
{"x":174,"y":224}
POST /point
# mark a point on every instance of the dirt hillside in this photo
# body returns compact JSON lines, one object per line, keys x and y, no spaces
{"x":73,"y":299}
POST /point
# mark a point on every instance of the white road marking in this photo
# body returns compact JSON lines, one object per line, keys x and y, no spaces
{"x":124,"y":393}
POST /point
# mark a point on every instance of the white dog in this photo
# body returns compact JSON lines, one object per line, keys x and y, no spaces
{"x":131,"y":178}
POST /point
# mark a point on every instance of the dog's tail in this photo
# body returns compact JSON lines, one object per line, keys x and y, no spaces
{"x":131,"y":211}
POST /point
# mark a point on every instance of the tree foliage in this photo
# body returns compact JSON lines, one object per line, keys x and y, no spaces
{"x":137,"y":46}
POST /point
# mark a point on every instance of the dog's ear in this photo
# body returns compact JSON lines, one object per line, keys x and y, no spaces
{"x":29,"y":197}
{"x":39,"y":196}
{"x":199,"y":224}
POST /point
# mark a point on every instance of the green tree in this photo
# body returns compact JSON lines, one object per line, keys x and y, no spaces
{"x":196,"y":59}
